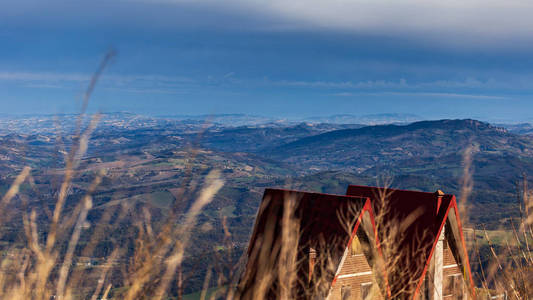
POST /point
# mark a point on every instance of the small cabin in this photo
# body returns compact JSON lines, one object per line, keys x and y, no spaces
{"x":373,"y":243}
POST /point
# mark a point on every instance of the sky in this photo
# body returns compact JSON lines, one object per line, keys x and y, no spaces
{"x":287,"y":59}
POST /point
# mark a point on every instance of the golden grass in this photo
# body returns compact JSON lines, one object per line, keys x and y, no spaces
{"x":509,"y":270}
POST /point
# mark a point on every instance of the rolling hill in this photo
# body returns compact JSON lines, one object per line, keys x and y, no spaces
{"x":357,"y":150}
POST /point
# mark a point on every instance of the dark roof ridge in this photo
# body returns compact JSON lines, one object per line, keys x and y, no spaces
{"x":397,"y":190}
{"x":314,"y":193}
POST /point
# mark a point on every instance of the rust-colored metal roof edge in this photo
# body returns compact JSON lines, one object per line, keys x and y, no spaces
{"x":367,"y":208}
{"x":452,"y":204}
{"x":393,"y":190}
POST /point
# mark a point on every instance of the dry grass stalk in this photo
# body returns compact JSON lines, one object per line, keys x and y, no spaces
{"x":82,"y":216}
{"x":509,"y":271}
{"x":289,"y":245}
{"x":14,"y":188}
{"x":167,"y":252}
{"x":467,"y":183}
{"x":392,"y":237}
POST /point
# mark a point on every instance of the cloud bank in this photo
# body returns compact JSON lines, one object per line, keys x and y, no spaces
{"x":455,"y":22}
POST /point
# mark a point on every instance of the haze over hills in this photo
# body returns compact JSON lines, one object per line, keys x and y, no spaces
{"x":54,"y":123}
{"x":370,"y":119}
{"x":520,"y":128}
{"x":50,"y":124}
{"x":243,"y":119}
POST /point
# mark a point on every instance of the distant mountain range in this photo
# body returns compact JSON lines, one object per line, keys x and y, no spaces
{"x":46,"y":124}
{"x":372,"y":119}
{"x":243,"y":119}
{"x":49,"y":124}
{"x":227,"y":119}
{"x":521,"y":128}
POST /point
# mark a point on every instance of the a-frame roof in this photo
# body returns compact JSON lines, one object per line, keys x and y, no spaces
{"x":409,"y":224}
{"x":326,"y":223}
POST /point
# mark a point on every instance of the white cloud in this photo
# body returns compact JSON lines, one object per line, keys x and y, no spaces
{"x":42,"y":76}
{"x":369,"y":84}
{"x":163,"y":84}
{"x":467,"y":83}
{"x":438,"y":95}
{"x":461,"y":20}
{"x":134,"y":83}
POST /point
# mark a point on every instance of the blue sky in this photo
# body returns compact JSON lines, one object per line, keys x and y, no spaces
{"x":290,"y":59}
